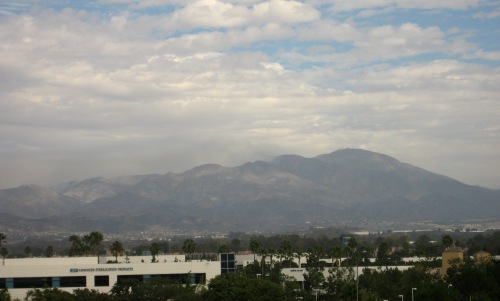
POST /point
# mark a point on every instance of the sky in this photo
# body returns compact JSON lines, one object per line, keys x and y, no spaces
{"x":122,"y":87}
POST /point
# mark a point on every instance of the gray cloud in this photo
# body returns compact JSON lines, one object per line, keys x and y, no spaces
{"x":86,"y":93}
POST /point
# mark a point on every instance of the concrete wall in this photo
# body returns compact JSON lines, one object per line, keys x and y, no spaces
{"x":86,"y":266}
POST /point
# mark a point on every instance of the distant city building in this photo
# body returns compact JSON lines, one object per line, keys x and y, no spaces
{"x":345,"y":240}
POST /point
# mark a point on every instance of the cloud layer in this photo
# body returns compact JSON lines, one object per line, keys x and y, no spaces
{"x":128,"y":87}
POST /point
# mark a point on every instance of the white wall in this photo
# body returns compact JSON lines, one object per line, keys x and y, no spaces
{"x":86,"y":266}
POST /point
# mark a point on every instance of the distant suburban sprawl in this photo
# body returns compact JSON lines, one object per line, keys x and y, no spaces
{"x":430,"y":266}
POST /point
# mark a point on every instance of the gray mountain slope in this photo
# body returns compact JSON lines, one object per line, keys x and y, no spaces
{"x":32,"y":201}
{"x":348,"y":184}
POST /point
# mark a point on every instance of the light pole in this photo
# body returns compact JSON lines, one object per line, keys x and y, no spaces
{"x":316,"y":290}
{"x":413,"y":289}
{"x":357,"y":278}
{"x":402,"y":298}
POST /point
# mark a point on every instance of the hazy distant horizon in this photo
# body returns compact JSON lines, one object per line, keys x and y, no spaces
{"x":115,"y":176}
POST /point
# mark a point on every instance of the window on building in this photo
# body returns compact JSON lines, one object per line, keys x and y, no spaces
{"x":130,"y":278}
{"x":171,"y":278}
{"x":101,"y":281}
{"x":227,"y":263}
{"x":32,"y":282}
{"x":73,"y":281}
{"x":199,"y":278}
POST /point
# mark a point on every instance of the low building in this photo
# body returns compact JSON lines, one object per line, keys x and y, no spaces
{"x":482,"y":256}
{"x":449,"y":257}
{"x":69,"y":273}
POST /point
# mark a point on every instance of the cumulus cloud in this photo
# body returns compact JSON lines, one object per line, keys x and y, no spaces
{"x":140,"y":86}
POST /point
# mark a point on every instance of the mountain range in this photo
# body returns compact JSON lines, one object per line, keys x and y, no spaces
{"x":290,"y":190}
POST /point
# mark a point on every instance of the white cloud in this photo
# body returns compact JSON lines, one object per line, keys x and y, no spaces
{"x":340,"y":5}
{"x":276,"y":11}
{"x":229,"y":81}
{"x":488,"y":15}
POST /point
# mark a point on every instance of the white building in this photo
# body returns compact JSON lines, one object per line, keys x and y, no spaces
{"x":69,"y":273}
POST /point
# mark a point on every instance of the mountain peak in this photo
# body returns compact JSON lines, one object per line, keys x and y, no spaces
{"x":348,"y":184}
{"x":351,"y":155}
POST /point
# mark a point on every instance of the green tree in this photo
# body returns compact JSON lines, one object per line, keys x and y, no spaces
{"x":383,"y":253}
{"x":352,"y":245}
{"x":90,"y":295}
{"x":314,"y":277}
{"x":3,"y":238}
{"x":77,"y":248}
{"x":337,"y":253}
{"x":254,"y":246}
{"x":4,"y":295}
{"x":157,"y":289}
{"x":189,"y":246}
{"x":223,"y":249}
{"x":49,"y":252}
{"x":48,"y":294}
{"x":117,"y":249}
{"x":478,"y":281}
{"x":155,"y":250}
{"x":4,"y":252}
{"x":235,"y":244}
{"x":230,"y":287}
{"x":93,"y":241}
{"x":286,"y":247}
{"x":271,"y":252}
{"x":263,"y":255}
{"x":298,"y":255}
{"x":27,"y":251}
{"x":447,"y":241}
{"x":340,"y":284}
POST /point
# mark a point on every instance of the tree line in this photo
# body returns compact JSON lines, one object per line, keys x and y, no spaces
{"x":464,"y":281}
{"x":264,"y":280}
{"x":394,"y":245}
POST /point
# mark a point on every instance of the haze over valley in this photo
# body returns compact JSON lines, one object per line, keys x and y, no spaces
{"x":288,"y":193}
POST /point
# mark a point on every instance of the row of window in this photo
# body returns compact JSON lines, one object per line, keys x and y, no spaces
{"x":195,"y":278}
{"x":40,"y":282}
{"x":99,"y":281}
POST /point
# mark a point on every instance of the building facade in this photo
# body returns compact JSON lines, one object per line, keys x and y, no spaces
{"x":21,"y":275}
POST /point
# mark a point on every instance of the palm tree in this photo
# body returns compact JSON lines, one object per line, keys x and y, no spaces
{"x":254,"y":247}
{"x":319,"y":251}
{"x":3,"y":237}
{"x":4,"y":252}
{"x":281,"y":253}
{"x":117,"y":249}
{"x":447,"y":241}
{"x":77,"y":248}
{"x":263,"y":255}
{"x":155,"y":250}
{"x":49,"y":252}
{"x":352,"y":245}
{"x":287,"y":251}
{"x":271,"y":253}
{"x":189,"y":246}
{"x":27,"y":251}
{"x":299,"y":255}
{"x":93,"y":241}
{"x":336,"y":252}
